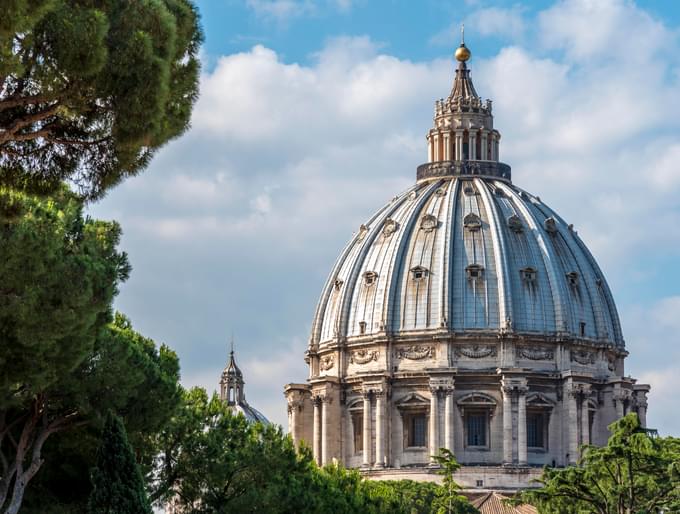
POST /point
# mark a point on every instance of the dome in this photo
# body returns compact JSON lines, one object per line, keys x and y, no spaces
{"x":464,"y":314}
{"x":467,"y":253}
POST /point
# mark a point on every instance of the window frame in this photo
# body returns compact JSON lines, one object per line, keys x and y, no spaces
{"x":485,"y":413}
{"x":408,"y":418}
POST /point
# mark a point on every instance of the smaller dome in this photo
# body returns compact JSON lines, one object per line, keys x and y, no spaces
{"x":232,"y":392}
{"x":463,"y":53}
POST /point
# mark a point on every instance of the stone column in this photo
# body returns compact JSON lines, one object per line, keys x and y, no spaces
{"x":447,"y":156}
{"x":430,"y":149}
{"x":437,"y":156}
{"x":473,"y":146}
{"x":572,"y":423}
{"x":448,"y":420}
{"x":316,"y":430}
{"x":522,"y":426}
{"x":507,"y":424}
{"x":585,"y":421}
{"x":451,"y":147}
{"x":434,"y":423}
{"x":367,"y":430}
{"x":459,"y":145}
{"x":325,"y":400}
{"x":379,"y":429}
{"x":642,"y":414}
{"x":293,"y":423}
{"x":484,"y":147}
{"x":620,"y":403}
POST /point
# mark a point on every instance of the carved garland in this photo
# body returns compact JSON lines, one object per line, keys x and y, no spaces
{"x":582,"y":357}
{"x":476,"y":351}
{"x":536,"y":354}
{"x":327,"y":362}
{"x":363,"y":356}
{"x":416,"y":352}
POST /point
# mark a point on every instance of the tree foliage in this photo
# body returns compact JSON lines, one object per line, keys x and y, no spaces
{"x":213,"y":461}
{"x":449,"y":499}
{"x":118,"y":487}
{"x":89,"y":90}
{"x":635,"y":473}
{"x":132,"y":377}
{"x":61,"y":362}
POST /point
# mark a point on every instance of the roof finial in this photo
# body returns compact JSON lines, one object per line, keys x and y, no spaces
{"x":462,"y":52}
{"x":232,"y":342}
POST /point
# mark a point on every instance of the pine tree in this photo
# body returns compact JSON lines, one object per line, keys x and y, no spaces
{"x":118,"y":486}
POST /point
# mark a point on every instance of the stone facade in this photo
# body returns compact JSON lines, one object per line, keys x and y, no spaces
{"x":465,"y":314}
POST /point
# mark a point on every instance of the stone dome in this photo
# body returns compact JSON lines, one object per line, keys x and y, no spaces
{"x":464,"y":314}
{"x":467,"y":253}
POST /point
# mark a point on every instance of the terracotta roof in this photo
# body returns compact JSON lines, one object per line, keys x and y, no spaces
{"x":494,"y":503}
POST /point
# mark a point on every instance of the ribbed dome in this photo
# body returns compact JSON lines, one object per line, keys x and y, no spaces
{"x":467,"y":254}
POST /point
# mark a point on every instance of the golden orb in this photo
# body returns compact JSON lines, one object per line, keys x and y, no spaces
{"x":462,"y":53}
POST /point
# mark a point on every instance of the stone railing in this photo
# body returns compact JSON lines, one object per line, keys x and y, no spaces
{"x":464,"y":168}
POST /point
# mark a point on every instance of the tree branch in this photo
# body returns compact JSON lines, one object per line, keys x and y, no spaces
{"x":10,"y":132}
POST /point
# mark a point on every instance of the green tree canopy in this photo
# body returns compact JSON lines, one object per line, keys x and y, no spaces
{"x":118,"y":487}
{"x":61,"y":362}
{"x":59,"y":273}
{"x":212,"y":462}
{"x":90,"y":89}
{"x":634,"y":474}
{"x":126,"y":373}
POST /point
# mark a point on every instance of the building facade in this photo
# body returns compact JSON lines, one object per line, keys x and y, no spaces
{"x":464,"y":314}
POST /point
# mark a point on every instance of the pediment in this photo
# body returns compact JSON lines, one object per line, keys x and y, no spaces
{"x":413,"y":400}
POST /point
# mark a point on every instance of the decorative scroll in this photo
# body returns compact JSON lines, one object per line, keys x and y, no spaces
{"x":327,"y":362}
{"x":582,"y":357}
{"x":363,"y":356}
{"x":416,"y":352}
{"x":476,"y":351}
{"x":536,"y":354}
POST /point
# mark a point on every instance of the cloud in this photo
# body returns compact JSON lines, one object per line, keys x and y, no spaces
{"x":497,"y":22}
{"x":281,"y":10}
{"x":236,"y":225}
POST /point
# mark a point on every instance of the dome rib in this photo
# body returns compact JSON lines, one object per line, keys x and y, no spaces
{"x":502,"y":269}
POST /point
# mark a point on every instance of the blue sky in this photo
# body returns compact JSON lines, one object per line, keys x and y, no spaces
{"x":313,"y":114}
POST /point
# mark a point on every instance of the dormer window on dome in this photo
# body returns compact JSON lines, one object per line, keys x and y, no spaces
{"x":429,"y":222}
{"x":515,"y":224}
{"x":572,"y":278}
{"x":419,"y":273}
{"x":389,"y":227}
{"x":528,"y":274}
{"x":474,"y":272}
{"x":550,"y":225}
{"x":472,"y":222}
{"x":370,"y":278}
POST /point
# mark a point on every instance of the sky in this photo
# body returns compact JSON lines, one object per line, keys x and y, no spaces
{"x":313,"y":114}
